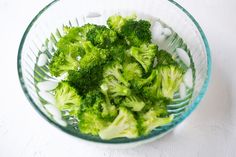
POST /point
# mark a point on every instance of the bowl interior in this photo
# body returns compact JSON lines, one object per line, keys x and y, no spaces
{"x":186,"y":41}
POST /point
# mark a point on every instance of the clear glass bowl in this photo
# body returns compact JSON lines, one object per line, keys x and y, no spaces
{"x":38,"y":44}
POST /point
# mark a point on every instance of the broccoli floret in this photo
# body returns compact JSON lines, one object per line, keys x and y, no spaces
{"x":101,"y":36}
{"x":67,"y":98}
{"x":114,"y":70}
{"x":90,"y":122}
{"x":90,"y":116}
{"x":69,"y":48}
{"x":84,"y":80}
{"x":136,"y":32}
{"x":63,"y":62}
{"x":144,"y":55}
{"x":115,"y":88}
{"x":167,"y":82}
{"x":164,"y":58}
{"x":138,"y":83}
{"x":133,"y":102}
{"x":116,"y":22}
{"x":124,"y":125}
{"x":109,"y":110}
{"x":132,"y":71}
{"x":93,"y":57}
{"x":150,"y":121}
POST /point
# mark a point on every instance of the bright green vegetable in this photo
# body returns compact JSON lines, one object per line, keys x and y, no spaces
{"x":144,"y":55}
{"x":118,"y":84}
{"x":67,"y":98}
{"x":124,"y":125}
{"x":150,"y":121}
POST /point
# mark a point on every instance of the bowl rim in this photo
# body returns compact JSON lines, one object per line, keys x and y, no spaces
{"x":194,"y":104}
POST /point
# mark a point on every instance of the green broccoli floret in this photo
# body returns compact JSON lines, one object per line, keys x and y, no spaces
{"x":132,"y":71}
{"x":114,"y":70}
{"x":133,"y":102}
{"x":90,"y":122}
{"x":109,"y":110}
{"x":124,"y":125}
{"x":116,"y":22}
{"x":69,"y":48}
{"x":138,"y":83}
{"x":67,"y":98}
{"x":115,"y":88}
{"x":150,"y":120}
{"x":93,"y":57}
{"x":90,"y":116}
{"x":144,"y":55}
{"x":101,"y":36}
{"x":164,"y":58}
{"x":84,"y":81}
{"x":167,"y":82}
{"x":136,"y":32}
{"x":63,"y":62}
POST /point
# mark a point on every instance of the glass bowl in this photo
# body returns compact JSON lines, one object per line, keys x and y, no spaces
{"x":182,"y":35}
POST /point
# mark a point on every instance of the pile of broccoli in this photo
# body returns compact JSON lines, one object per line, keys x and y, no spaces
{"x":118,"y":83}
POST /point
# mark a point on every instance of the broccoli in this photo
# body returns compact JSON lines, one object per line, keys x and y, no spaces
{"x":69,"y":48}
{"x":90,"y":122}
{"x":150,"y":121}
{"x":85,"y":81}
{"x":63,"y":62}
{"x":109,"y":110}
{"x":164,"y":58}
{"x":167,"y":82}
{"x":93,"y":56}
{"x":133,"y":102}
{"x":115,"y":88}
{"x":114,"y":70}
{"x":124,"y":125}
{"x":116,"y":22}
{"x":101,"y":36}
{"x":135,"y":32}
{"x":144,"y":55}
{"x":139,"y":83}
{"x":67,"y":98}
{"x":90,"y":116}
{"x":132,"y":71}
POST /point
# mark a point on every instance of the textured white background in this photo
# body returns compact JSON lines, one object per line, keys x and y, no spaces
{"x":209,"y":131}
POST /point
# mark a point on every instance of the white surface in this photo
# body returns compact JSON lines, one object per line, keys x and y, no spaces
{"x":209,"y":131}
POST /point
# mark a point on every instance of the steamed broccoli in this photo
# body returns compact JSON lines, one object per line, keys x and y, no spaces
{"x":116,"y":22}
{"x":93,"y":57}
{"x":136,"y":32}
{"x":118,"y":84}
{"x":167,"y":82}
{"x":90,"y":122}
{"x":109,"y":110}
{"x":150,"y":121}
{"x":114,"y":70}
{"x":69,"y":48}
{"x":67,"y":98}
{"x":101,"y":36}
{"x":133,"y":102}
{"x":144,"y":55}
{"x":90,"y":116}
{"x":132,"y":71}
{"x":164,"y":58}
{"x":124,"y":125}
{"x":115,"y":88}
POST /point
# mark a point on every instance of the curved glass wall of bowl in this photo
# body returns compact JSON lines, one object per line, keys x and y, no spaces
{"x":173,"y":31}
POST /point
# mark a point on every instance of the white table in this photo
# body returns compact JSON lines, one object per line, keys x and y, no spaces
{"x":209,"y":131}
